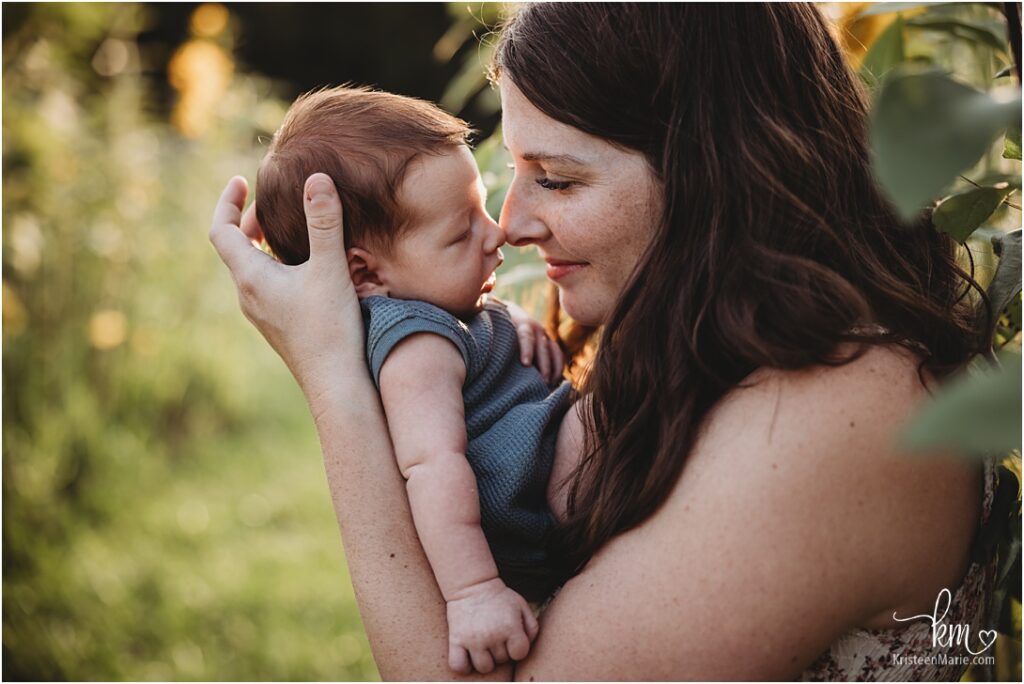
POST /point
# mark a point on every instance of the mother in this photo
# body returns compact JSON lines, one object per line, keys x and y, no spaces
{"x":698,"y":181}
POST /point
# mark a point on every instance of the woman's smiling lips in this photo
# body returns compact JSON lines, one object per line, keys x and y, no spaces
{"x":558,"y":269}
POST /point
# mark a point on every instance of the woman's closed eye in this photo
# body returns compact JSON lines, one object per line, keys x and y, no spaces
{"x":549,"y":184}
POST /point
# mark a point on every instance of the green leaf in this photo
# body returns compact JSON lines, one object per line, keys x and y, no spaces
{"x":887,"y":7}
{"x":1006,"y":282}
{"x":997,"y":177}
{"x":927,"y":128}
{"x":470,"y":79}
{"x":1013,"y":314}
{"x":1003,"y":527}
{"x":885,"y":53}
{"x":1012,"y":555}
{"x":960,"y":215}
{"x":1011,"y":146}
{"x":976,"y":414}
{"x":991,"y":34}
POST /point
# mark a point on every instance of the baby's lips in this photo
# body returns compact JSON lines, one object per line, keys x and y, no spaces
{"x":490,"y":282}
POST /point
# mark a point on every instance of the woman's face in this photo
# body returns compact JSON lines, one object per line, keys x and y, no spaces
{"x":589,"y":206}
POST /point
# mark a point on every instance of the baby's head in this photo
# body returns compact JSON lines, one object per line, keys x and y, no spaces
{"x":415,"y":222}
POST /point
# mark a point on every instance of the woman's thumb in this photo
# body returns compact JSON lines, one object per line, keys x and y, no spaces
{"x":324,"y":219}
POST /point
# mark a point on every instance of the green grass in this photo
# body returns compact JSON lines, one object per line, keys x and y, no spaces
{"x":223,"y":563}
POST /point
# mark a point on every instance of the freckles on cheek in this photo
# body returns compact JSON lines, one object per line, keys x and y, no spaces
{"x":641,"y":215}
{"x":562,"y":224}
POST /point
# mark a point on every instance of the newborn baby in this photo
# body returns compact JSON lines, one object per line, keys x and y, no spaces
{"x":473,"y":429}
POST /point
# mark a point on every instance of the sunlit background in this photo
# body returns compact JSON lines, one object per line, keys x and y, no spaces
{"x":165,"y":510}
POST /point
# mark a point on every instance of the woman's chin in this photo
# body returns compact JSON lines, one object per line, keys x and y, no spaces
{"x":584,"y":310}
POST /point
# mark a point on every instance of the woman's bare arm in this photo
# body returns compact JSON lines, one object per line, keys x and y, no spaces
{"x":310,"y":316}
{"x":402,"y":608}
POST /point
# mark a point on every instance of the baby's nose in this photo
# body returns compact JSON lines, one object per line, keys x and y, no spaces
{"x":497,"y":237}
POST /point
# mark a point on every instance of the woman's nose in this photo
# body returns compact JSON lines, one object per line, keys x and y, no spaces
{"x":517,"y":218}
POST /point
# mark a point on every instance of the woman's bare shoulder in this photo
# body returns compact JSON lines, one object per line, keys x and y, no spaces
{"x":847,"y":422}
{"x":796,"y":518}
{"x":879,"y":368}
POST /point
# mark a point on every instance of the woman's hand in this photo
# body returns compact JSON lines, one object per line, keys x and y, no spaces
{"x":308,"y":313}
{"x":535,"y":346}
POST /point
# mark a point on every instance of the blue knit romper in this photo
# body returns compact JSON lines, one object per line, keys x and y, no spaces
{"x":512,"y":420}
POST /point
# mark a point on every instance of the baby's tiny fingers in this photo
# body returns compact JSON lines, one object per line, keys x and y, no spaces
{"x":543,"y":355}
{"x":482,"y":661}
{"x":518,"y":646}
{"x":532,"y":626}
{"x":499,"y":653}
{"x":458,"y":659}
{"x":525,"y":333}
{"x":557,"y":361}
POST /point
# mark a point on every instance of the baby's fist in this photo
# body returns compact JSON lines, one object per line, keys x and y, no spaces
{"x":488,"y":624}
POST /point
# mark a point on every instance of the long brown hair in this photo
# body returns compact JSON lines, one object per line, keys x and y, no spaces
{"x":774,"y":247}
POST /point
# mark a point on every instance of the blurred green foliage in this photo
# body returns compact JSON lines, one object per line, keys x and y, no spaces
{"x":165,"y":514}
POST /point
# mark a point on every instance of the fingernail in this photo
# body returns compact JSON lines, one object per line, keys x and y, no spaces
{"x":318,"y":188}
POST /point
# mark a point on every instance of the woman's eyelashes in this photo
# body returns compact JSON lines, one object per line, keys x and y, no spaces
{"x":549,"y":184}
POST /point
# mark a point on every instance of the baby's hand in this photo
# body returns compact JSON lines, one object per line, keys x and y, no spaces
{"x":535,"y":346}
{"x":488,"y":624}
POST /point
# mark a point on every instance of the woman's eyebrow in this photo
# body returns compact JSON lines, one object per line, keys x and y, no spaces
{"x":556,"y":158}
{"x":553,"y":158}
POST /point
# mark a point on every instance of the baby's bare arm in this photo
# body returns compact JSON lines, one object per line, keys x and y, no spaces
{"x":421,"y":389}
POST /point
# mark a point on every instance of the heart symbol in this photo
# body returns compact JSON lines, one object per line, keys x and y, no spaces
{"x":982,"y":638}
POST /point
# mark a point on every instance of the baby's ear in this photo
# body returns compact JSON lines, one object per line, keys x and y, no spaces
{"x":362,"y":266}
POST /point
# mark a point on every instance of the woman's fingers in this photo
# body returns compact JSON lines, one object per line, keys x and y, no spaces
{"x":251,"y":226}
{"x":232,"y":246}
{"x":518,"y":647}
{"x":325,"y":223}
{"x":525,"y":334}
{"x":232,"y":199}
{"x":482,"y":661}
{"x":458,"y":659}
